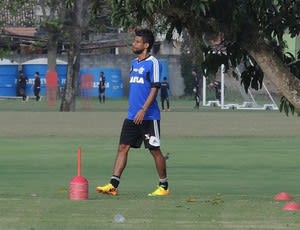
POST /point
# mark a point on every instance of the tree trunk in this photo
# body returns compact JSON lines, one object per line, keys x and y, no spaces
{"x":51,"y":80}
{"x":52,"y":50}
{"x":78,"y":17}
{"x":278,"y":73}
{"x":68,"y":103}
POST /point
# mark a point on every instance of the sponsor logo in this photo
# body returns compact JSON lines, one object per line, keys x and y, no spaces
{"x":135,"y":79}
{"x":139,"y":70}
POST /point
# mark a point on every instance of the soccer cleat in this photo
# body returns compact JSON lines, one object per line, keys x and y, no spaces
{"x":160,"y":191}
{"x":107,"y":189}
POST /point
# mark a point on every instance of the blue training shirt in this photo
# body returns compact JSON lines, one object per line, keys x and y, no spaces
{"x":144,"y":75}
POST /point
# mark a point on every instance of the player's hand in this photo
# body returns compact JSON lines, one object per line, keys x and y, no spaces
{"x":139,"y":117}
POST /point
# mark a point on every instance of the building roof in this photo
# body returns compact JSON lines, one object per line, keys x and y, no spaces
{"x":28,"y":32}
{"x":4,"y":61}
{"x":39,"y":61}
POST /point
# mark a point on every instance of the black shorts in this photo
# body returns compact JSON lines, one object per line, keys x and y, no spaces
{"x":133,"y":134}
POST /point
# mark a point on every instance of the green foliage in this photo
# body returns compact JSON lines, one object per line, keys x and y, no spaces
{"x":53,"y":27}
{"x":278,"y":17}
{"x":69,"y":4}
{"x":252,"y":77}
{"x":213,"y":61}
{"x":286,"y":107}
{"x":151,"y":13}
{"x":19,"y":8}
{"x":186,"y":72}
{"x":244,"y":24}
{"x":294,"y":65}
{"x":3,"y":53}
{"x":100,"y":17}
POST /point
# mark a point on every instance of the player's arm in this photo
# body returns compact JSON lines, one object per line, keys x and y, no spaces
{"x":152,"y":95}
{"x":139,"y":117}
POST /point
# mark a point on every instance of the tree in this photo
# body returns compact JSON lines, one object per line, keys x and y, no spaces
{"x":63,"y":22}
{"x":51,"y":27}
{"x":81,"y":16}
{"x":14,"y":13}
{"x":249,"y":31}
{"x":67,"y":22}
{"x":76,"y":22}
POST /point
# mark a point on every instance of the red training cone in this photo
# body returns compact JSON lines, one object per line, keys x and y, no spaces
{"x":282,"y":196}
{"x":79,"y":185}
{"x":291,"y":206}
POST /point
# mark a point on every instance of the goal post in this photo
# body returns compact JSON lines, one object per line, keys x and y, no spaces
{"x":246,"y":105}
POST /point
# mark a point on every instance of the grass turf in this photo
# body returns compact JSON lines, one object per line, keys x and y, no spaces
{"x":224,"y":169}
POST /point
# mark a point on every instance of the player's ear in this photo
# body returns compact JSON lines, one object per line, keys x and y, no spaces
{"x":146,"y":45}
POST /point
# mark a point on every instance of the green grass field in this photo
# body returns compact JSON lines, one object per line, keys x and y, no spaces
{"x":224,"y":169}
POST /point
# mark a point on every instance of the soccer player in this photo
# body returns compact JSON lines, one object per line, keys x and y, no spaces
{"x":22,"y":83}
{"x":102,"y":88}
{"x":37,"y":86}
{"x":217,"y":86}
{"x":143,"y":119}
{"x":164,"y":95}
{"x":196,"y":89}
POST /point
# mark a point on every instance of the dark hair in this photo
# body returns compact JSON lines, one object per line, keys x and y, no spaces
{"x":147,"y":36}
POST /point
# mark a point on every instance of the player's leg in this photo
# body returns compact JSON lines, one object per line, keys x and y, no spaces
{"x":100,"y":98}
{"x":151,"y":129}
{"x":160,"y":163}
{"x":129,"y":137}
{"x":168,"y":104}
{"x":162,"y":103}
{"x":39,"y":97}
{"x":120,"y":164}
{"x":197,"y":101}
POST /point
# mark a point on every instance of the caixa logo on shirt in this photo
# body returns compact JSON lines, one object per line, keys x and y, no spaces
{"x":139,"y":70}
{"x":135,"y":79}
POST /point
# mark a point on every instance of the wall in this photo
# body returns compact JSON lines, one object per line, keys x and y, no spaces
{"x":123,"y":62}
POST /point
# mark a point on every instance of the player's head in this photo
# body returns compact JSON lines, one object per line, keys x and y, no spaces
{"x":144,"y":40}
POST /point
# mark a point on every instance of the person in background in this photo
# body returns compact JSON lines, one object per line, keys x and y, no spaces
{"x":102,"y":87}
{"x":142,"y":123}
{"x":196,"y":88}
{"x":217,"y":86}
{"x":164,"y":94}
{"x":22,"y":83}
{"x":37,"y":86}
